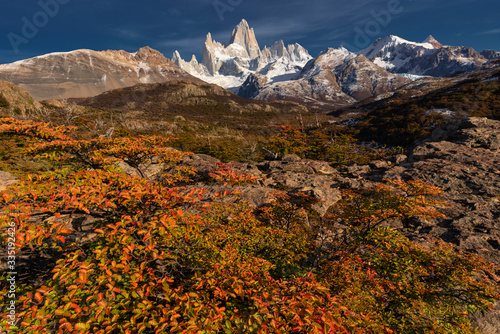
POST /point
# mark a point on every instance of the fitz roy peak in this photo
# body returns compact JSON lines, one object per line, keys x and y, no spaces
{"x":244,"y":36}
{"x":230,"y":65}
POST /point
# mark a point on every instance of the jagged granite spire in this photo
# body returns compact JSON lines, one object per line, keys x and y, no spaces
{"x":245,"y":36}
{"x":229,"y":65}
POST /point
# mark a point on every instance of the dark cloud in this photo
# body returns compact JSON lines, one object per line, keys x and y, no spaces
{"x":169,"y":25}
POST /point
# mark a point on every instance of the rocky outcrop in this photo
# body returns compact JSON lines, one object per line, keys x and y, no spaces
{"x":6,"y":179}
{"x":290,"y":175}
{"x":252,"y":85}
{"x":463,"y":160}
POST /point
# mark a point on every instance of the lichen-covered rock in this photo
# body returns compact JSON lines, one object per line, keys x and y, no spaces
{"x":6,"y":179}
{"x":461,"y":158}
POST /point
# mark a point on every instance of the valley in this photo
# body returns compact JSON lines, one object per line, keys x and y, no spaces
{"x":259,"y":190}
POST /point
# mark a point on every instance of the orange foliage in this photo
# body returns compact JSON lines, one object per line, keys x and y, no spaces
{"x":160,"y":258}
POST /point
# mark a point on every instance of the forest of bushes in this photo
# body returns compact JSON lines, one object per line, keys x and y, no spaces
{"x":161,"y":256}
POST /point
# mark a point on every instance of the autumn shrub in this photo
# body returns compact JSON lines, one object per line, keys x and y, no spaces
{"x":153,"y":267}
{"x":157,"y":258}
{"x":396,"y":283}
{"x":163,"y":256}
{"x":289,"y":140}
{"x":229,"y":175}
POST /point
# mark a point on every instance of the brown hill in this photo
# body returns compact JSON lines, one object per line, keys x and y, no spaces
{"x":15,"y":97}
{"x":86,"y":73}
{"x":205,"y":103}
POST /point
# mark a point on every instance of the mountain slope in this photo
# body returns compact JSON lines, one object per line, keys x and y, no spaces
{"x":86,"y":73}
{"x":399,"y":118}
{"x":429,"y":58}
{"x":198,"y":103}
{"x":12,"y":96}
{"x":336,"y":77}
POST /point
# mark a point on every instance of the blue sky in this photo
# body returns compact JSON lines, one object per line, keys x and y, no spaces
{"x":167,"y":25}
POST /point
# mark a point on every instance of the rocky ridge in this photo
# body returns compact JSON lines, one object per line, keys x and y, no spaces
{"x":87,"y":73}
{"x":462,"y":159}
{"x":335,"y":77}
{"x":429,"y":58}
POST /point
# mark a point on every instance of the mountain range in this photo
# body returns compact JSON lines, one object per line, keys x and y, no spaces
{"x":229,"y":65}
{"x":334,"y":78}
{"x":429,"y":58}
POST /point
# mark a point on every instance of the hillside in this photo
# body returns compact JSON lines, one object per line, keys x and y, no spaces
{"x":86,"y":73}
{"x":132,"y":234}
{"x":199,"y":102}
{"x":413,"y":111}
{"x":14,"y":97}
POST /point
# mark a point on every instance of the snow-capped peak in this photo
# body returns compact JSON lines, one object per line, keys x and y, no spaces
{"x":391,"y":42}
{"x":429,"y":58}
{"x":431,"y":40}
{"x":230,"y":65}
